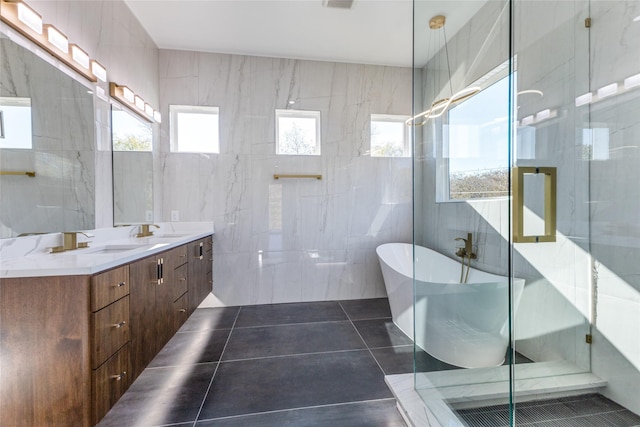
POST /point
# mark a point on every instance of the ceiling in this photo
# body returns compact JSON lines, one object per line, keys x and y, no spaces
{"x":370,"y":32}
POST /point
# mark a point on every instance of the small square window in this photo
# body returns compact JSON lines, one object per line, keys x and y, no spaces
{"x":194,"y":129}
{"x":298,"y":132}
{"x":389,"y":136}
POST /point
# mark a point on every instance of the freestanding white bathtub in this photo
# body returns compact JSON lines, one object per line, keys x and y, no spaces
{"x":465,"y":325}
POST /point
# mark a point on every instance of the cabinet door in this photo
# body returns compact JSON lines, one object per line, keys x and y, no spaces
{"x":200,"y":260}
{"x":143,"y":278}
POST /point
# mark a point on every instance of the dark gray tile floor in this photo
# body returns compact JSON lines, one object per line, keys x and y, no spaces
{"x":590,"y":410}
{"x":303,"y":364}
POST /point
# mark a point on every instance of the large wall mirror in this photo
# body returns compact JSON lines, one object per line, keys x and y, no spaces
{"x":132,"y":168}
{"x":47,"y":129}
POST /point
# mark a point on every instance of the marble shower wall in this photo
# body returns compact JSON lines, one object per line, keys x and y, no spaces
{"x":590,"y":273}
{"x":551,"y":321}
{"x":615,"y":200}
{"x":290,"y":239}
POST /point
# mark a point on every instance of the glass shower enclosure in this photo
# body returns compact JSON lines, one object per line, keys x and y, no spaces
{"x":526,"y":135}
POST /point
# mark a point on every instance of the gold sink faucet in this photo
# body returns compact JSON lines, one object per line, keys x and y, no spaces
{"x":70,"y":242}
{"x":144,"y":230}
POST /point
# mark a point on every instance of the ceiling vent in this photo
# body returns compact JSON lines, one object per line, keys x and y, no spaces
{"x":340,"y":4}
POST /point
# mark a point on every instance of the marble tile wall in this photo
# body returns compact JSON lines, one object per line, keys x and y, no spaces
{"x":288,"y":240}
{"x":615,"y":201}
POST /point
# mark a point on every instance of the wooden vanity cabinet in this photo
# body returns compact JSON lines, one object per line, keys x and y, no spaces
{"x":72,"y":345}
{"x":200,"y":271}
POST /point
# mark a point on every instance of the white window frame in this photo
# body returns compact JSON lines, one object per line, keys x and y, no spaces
{"x":406,"y":134}
{"x":303,"y":114}
{"x":174,"y":110}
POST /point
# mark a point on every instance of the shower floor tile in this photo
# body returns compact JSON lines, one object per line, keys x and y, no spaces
{"x":590,"y":410}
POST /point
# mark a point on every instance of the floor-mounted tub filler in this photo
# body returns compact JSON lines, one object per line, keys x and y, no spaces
{"x":465,"y":325}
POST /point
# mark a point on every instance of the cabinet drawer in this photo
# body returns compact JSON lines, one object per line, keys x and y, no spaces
{"x":180,"y":311}
{"x":109,"y":382}
{"x":110,"y":328}
{"x":179,"y":284}
{"x":109,"y":287}
{"x":176,"y":257}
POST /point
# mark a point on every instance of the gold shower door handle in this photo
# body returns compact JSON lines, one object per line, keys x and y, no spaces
{"x":550,"y":175}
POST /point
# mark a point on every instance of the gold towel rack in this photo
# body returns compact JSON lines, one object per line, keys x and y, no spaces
{"x":278,"y":176}
{"x":30,"y":174}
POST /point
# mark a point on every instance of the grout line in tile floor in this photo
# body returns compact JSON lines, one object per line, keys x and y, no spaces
{"x":363,"y":341}
{"x":204,"y":398}
{"x":281,"y":356}
{"x":301,"y":408}
{"x":292,"y":324}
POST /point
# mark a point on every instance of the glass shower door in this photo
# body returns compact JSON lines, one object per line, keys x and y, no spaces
{"x":463,"y":74}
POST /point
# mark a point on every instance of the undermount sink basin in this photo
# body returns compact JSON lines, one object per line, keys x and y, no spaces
{"x":113,"y":249}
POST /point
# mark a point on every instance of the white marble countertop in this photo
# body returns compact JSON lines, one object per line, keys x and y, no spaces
{"x":30,"y":256}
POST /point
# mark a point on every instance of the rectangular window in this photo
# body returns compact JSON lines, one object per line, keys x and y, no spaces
{"x":298,"y":132}
{"x":15,"y":123}
{"x":477,"y":137}
{"x":194,"y":129}
{"x":389,"y":136}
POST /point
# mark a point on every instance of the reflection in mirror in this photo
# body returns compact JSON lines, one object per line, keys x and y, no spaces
{"x":132,"y":168}
{"x":48,"y":127}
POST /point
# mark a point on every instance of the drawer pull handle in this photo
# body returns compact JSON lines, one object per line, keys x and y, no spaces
{"x":210,"y":259}
{"x":120,"y":325}
{"x":121,"y":284}
{"x":182,"y":310}
{"x":182,"y":256}
{"x":211,"y":282}
{"x":182,"y":279}
{"x":120,"y":376}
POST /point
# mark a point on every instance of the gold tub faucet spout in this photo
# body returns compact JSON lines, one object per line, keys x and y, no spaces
{"x":467,"y":251}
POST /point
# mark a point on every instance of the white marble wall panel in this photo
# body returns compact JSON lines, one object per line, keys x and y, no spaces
{"x":552,"y":319}
{"x":615,"y":201}
{"x":289,"y":240}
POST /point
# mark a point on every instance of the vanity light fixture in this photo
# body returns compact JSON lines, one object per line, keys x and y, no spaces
{"x":80,"y":56}
{"x":157,"y":116}
{"x":56,"y":38}
{"x":27,"y":22}
{"x":30,"y":17}
{"x":526,"y":121}
{"x":636,"y":19}
{"x":98,"y":70}
{"x":632,"y":81}
{"x":607,"y":90}
{"x":134,"y":102}
{"x":584,"y":99}
{"x":148,"y":109}
{"x":139,"y":102}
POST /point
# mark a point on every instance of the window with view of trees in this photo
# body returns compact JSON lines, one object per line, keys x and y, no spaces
{"x":298,"y":132}
{"x":389,"y":136}
{"x":478,"y":144}
{"x":129,"y":133}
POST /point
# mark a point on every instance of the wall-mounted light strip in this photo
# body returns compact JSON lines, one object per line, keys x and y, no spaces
{"x":612,"y":89}
{"x":26,"y":21}
{"x":134,"y":102}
